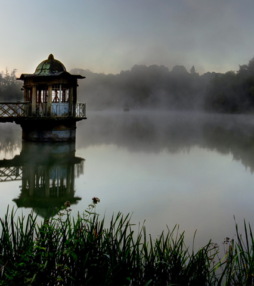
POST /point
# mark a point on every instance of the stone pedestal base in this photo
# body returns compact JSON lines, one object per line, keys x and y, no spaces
{"x":49,"y":131}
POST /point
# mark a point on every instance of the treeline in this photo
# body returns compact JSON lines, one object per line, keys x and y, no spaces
{"x":232,"y":92}
{"x":10,"y":88}
{"x":157,"y":87}
{"x":144,"y":87}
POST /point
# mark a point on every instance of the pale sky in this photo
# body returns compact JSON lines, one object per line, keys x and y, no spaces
{"x":113,"y":35}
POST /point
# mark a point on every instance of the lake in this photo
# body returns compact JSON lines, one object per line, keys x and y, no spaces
{"x":167,"y":168}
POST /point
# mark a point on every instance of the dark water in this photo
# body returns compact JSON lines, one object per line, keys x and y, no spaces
{"x":195,"y":170}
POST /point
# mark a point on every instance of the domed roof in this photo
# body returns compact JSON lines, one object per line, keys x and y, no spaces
{"x":50,"y":66}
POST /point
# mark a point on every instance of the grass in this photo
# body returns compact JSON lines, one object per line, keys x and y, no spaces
{"x":80,"y":251}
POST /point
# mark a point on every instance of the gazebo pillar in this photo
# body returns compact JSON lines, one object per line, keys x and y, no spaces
{"x":71,"y":101}
{"x":34,"y":90}
{"x":49,"y":100}
{"x":25,"y":94}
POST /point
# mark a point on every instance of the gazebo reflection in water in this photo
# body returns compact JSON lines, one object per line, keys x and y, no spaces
{"x":47,"y":172}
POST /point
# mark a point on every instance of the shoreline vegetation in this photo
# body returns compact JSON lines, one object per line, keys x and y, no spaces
{"x":64,"y":250}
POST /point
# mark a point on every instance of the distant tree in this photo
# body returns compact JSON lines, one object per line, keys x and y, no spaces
{"x":251,"y":66}
{"x":193,"y":70}
{"x":10,"y":88}
{"x":232,"y":92}
{"x":179,"y":70}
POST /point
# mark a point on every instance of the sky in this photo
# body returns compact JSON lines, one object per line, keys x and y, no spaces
{"x":108,"y":36}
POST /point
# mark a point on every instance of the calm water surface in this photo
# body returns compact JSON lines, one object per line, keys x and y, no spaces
{"x":194,"y":170}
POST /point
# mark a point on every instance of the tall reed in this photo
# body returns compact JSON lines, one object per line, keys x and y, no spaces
{"x":81,"y":251}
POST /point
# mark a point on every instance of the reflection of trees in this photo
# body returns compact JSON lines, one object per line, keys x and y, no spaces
{"x":10,"y":139}
{"x":9,"y":146}
{"x":234,"y":141}
{"x":151,"y":133}
{"x":47,"y":172}
{"x":147,"y":132}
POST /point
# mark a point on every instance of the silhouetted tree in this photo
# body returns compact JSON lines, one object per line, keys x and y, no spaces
{"x":10,"y":88}
{"x":192,"y":70}
{"x":251,"y":66}
{"x":232,"y":92}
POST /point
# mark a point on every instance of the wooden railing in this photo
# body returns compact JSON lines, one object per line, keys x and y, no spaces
{"x":14,"y":109}
{"x":23,"y":109}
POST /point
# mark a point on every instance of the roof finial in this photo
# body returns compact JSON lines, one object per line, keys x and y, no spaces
{"x":51,"y":57}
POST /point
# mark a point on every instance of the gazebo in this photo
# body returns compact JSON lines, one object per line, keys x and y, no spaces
{"x":50,"y":109}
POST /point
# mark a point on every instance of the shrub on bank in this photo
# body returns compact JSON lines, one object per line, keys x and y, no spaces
{"x":80,"y":251}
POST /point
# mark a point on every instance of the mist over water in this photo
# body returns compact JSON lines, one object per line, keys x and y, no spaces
{"x":192,"y":169}
{"x":175,"y":132}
